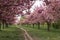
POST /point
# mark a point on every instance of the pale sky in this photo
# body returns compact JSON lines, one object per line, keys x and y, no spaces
{"x":37,"y":4}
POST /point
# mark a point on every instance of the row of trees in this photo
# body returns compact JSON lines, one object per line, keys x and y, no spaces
{"x":49,"y":13}
{"x":9,"y":9}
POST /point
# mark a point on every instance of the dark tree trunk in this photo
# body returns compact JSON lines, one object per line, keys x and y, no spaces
{"x":3,"y":24}
{"x":6,"y":24}
{"x":48,"y":26}
{"x":33,"y":25}
{"x":0,"y":26}
{"x":38,"y":25}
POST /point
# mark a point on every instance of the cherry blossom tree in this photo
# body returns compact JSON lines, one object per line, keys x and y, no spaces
{"x":48,"y":13}
{"x":10,"y":8}
{"x":35,"y":13}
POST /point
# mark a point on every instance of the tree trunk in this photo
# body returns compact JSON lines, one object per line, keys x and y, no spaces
{"x":0,"y":26}
{"x":33,"y":25}
{"x":3,"y":24}
{"x":48,"y":26}
{"x":38,"y":25}
{"x":6,"y":24}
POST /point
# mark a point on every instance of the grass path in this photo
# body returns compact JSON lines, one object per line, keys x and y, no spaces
{"x":26,"y":35}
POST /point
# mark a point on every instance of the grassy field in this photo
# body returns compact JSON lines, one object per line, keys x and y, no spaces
{"x":42,"y":33}
{"x":11,"y":33}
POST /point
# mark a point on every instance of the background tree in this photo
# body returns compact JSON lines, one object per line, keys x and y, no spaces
{"x":49,"y":13}
{"x":10,"y":8}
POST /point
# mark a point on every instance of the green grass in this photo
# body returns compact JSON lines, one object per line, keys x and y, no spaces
{"x":43,"y":34}
{"x":11,"y":33}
